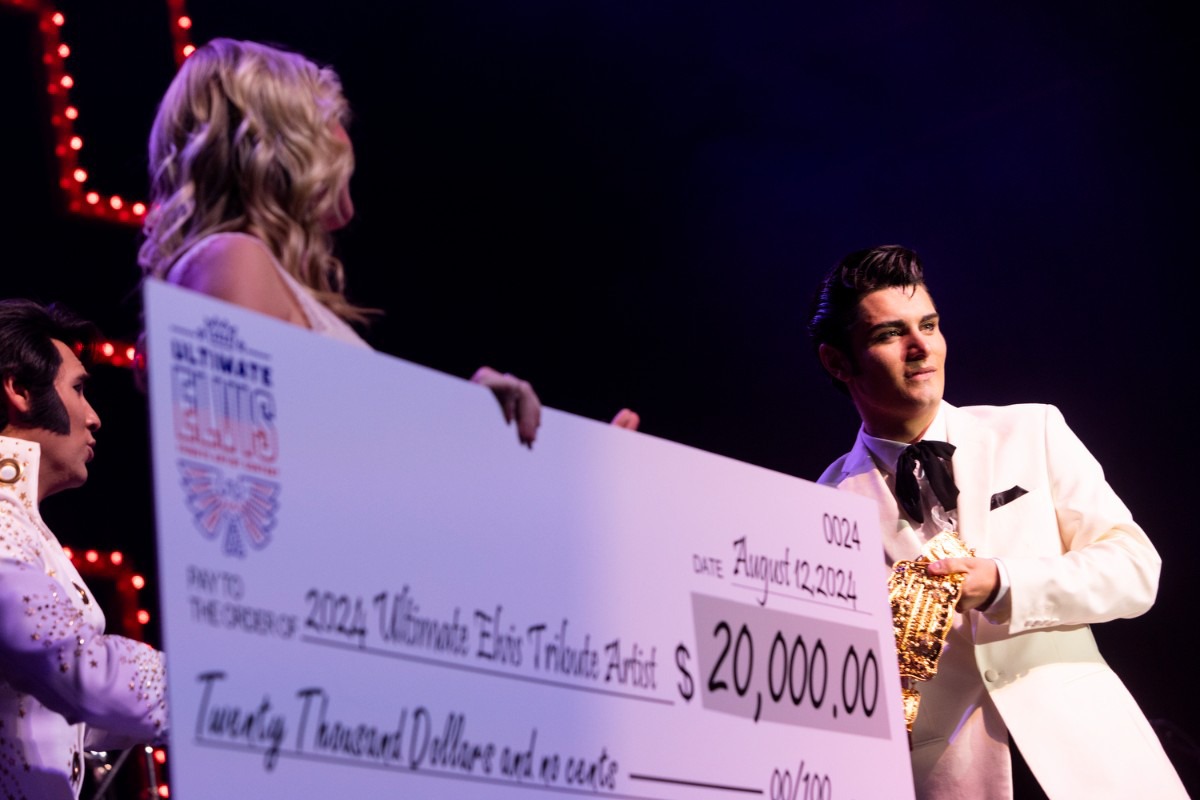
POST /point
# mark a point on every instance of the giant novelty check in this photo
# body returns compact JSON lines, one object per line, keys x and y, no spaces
{"x":369,"y":589}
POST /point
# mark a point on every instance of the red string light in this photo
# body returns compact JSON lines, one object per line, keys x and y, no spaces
{"x":111,"y":352}
{"x":77,"y":198}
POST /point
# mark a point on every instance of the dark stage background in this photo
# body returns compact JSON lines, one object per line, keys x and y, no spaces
{"x":628,"y":203}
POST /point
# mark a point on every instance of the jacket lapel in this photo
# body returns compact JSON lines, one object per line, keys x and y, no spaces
{"x":861,"y":476}
{"x":974,"y":448}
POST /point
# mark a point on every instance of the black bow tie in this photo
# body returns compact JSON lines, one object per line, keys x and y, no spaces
{"x":935,"y":460}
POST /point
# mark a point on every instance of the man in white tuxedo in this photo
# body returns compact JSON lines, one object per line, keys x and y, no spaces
{"x":1055,"y":550}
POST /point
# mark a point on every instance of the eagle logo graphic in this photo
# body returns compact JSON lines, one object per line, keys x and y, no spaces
{"x":240,"y":511}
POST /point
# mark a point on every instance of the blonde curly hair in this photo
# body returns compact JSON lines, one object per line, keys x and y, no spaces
{"x":246,"y":139}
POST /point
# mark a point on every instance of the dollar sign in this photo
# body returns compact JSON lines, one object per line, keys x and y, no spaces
{"x":686,"y":687}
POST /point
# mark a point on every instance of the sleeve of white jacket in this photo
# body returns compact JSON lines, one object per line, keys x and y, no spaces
{"x":1108,"y":568}
{"x":49,"y":651}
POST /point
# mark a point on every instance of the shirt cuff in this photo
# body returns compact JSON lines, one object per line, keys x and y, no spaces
{"x":1001,"y":593}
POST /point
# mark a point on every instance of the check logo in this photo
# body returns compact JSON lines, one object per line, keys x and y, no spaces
{"x":241,"y":511}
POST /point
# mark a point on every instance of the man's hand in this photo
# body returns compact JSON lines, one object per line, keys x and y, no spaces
{"x":981,"y":582}
{"x":517,"y":399}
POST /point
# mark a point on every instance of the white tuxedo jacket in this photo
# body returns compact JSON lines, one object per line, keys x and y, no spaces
{"x":1031,"y":495}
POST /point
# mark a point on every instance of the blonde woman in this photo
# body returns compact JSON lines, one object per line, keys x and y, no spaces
{"x":250,"y":169}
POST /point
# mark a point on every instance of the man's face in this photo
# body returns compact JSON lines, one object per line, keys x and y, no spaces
{"x":897,"y":376}
{"x":65,"y":456}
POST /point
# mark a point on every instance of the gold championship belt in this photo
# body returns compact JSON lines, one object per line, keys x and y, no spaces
{"x":922,"y":613}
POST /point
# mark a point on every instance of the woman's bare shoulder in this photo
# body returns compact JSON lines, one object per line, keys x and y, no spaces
{"x":239,"y":269}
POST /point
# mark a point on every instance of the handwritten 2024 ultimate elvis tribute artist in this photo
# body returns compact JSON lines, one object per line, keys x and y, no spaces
{"x":64,"y":684}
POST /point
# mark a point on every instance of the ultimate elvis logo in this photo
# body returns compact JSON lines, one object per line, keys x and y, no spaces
{"x":223,"y":405}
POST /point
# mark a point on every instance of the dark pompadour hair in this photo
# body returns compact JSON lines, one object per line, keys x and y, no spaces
{"x":28,"y":356}
{"x":835,"y":304}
